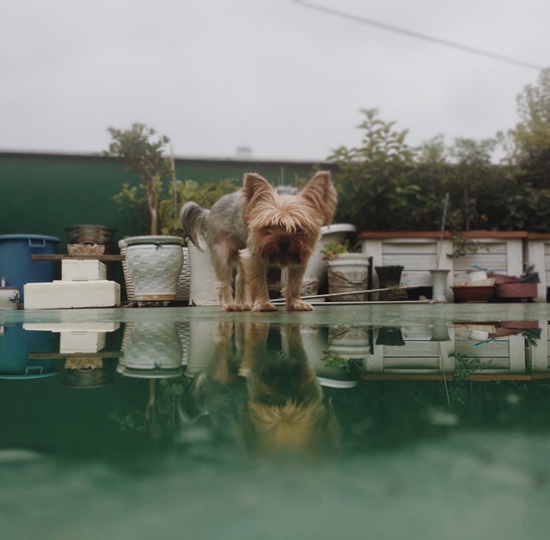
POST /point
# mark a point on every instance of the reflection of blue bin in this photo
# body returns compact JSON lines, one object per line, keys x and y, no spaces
{"x":15,"y":346}
{"x":16,"y":264}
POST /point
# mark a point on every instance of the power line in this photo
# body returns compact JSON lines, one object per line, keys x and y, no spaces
{"x":417,"y":35}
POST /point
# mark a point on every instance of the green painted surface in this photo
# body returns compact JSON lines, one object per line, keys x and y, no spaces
{"x":43,"y":194}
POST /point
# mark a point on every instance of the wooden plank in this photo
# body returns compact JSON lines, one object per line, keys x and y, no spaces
{"x":449,"y":377}
{"x":56,"y":355}
{"x":63,"y":257}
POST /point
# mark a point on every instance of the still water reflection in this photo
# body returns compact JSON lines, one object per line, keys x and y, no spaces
{"x":119,"y":391}
{"x":245,"y":430}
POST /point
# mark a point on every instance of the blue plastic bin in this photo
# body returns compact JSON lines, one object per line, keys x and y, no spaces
{"x":16,"y":265}
{"x":15,"y":347}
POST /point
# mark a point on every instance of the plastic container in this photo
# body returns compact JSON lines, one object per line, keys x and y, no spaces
{"x":16,"y":344}
{"x":16,"y":265}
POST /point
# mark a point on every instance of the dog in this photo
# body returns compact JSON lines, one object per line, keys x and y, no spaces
{"x":258,"y":227}
{"x":262,"y":394}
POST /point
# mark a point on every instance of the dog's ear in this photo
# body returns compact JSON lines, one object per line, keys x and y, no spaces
{"x":255,"y":189}
{"x":321,"y":196}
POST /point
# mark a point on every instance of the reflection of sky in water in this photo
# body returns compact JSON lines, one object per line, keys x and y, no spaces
{"x":359,"y":412}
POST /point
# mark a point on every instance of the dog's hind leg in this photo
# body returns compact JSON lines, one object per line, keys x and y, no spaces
{"x":224,"y":260}
{"x":241,"y":290}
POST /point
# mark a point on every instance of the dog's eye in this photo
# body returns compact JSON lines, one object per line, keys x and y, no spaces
{"x":299,"y":231}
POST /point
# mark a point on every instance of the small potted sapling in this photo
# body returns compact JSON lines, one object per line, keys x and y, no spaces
{"x":348,"y":271}
{"x":153,"y":262}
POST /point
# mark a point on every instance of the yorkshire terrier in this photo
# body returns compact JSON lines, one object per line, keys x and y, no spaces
{"x":259,"y":227}
{"x":261,"y":391}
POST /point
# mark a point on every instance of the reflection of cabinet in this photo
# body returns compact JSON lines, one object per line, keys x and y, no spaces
{"x":419,"y":354}
{"x":473,"y":351}
{"x":538,"y":358}
{"x":504,"y":354}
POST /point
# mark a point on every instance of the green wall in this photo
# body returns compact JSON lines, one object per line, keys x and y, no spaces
{"x":44,"y":193}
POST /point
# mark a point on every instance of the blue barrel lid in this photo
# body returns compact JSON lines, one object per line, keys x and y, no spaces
{"x":28,"y":237}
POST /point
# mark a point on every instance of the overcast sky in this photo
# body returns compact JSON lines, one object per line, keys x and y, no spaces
{"x":285,"y":80}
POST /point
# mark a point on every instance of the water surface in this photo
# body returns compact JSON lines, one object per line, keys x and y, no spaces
{"x":352,"y":422}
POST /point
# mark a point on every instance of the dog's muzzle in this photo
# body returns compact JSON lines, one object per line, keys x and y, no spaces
{"x":283,"y":244}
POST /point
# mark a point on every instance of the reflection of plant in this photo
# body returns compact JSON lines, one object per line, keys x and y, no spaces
{"x":466,"y":365}
{"x":160,"y":416}
{"x":338,"y":362}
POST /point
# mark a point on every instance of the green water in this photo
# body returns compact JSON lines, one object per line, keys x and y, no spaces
{"x":419,"y":421}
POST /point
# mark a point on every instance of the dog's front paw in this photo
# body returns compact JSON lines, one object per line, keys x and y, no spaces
{"x":264,"y":306}
{"x":235,"y":306}
{"x":298,"y":305}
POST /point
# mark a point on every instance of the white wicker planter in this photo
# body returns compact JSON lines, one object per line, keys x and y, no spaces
{"x":152,"y":267}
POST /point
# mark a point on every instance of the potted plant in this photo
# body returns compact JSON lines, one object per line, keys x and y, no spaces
{"x":153,"y":261}
{"x":348,"y":270}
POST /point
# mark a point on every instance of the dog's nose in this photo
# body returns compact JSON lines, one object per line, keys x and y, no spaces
{"x":283,"y":244}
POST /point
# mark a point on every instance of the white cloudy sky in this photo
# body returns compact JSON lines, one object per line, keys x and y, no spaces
{"x":286,"y":80}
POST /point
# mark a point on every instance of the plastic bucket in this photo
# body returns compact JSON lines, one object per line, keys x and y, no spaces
{"x":16,"y":264}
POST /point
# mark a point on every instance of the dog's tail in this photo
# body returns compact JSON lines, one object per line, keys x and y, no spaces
{"x":193,"y":222}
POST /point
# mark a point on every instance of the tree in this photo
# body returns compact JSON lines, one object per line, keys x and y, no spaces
{"x":374,"y":190}
{"x":531,"y":137}
{"x":143,"y":153}
{"x":472,"y":173}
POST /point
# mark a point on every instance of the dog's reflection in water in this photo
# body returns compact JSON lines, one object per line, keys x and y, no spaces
{"x":262,"y":392}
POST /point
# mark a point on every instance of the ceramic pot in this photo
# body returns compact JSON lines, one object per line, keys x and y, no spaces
{"x":90,"y":234}
{"x":317,"y":266}
{"x":348,"y":272}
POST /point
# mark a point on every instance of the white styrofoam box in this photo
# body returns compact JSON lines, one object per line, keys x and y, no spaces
{"x":81,"y":342}
{"x":72,"y":294}
{"x":82,"y":270}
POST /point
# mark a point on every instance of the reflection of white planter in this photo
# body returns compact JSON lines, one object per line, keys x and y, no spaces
{"x":152,"y":350}
{"x":317,"y":265}
{"x":316,"y":347}
{"x":348,"y":272}
{"x":154,"y":265}
{"x":315,"y":343}
{"x":349,"y":342}
{"x":335,"y":376}
{"x":184,"y":279}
